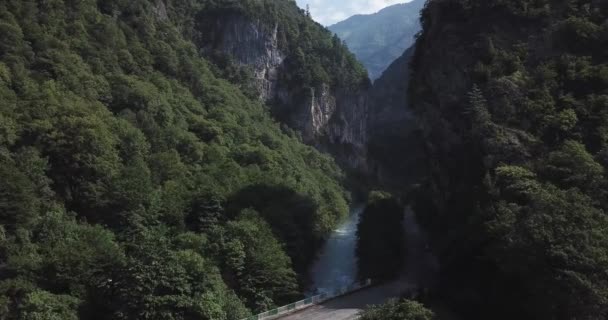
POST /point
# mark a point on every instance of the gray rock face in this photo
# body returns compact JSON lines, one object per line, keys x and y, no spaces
{"x":253,"y":45}
{"x":348,"y":128}
{"x":160,"y":10}
{"x":331,"y":119}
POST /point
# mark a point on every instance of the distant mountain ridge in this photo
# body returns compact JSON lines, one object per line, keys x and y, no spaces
{"x":379,"y":39}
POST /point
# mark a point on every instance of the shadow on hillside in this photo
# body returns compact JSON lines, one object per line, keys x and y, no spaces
{"x":292,"y":216}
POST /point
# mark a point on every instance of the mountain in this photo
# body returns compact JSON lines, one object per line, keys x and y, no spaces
{"x":512,"y":99}
{"x":311,"y":81}
{"x":168,"y":159}
{"x":391,"y":122}
{"x":145,"y":174}
{"x":380,"y":38}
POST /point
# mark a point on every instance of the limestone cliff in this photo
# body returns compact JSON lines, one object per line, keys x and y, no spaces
{"x":330,"y":117}
{"x":252,"y":44}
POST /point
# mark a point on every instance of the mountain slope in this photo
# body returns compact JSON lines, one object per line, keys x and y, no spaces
{"x":139,"y":180}
{"x":393,"y":123}
{"x":308,"y":77}
{"x":513,"y":100}
{"x":380,"y":38}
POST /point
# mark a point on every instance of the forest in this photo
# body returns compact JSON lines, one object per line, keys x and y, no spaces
{"x":139,"y":180}
{"x":399,"y":310}
{"x":315,"y":56}
{"x":380,"y":257}
{"x":142,"y":178}
{"x":513,"y":96}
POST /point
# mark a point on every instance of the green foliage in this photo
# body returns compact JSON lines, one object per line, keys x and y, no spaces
{"x":314,"y":56}
{"x":560,"y":234}
{"x":398,"y":310}
{"x":572,"y":166}
{"x":42,"y":305}
{"x":257,"y":260}
{"x":376,"y":196}
{"x":160,"y":280}
{"x":17,"y":198}
{"x":520,"y":188}
{"x":478,"y":109}
{"x":124,"y":155}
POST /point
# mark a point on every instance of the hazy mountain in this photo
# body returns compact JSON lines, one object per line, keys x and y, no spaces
{"x":380,"y":38}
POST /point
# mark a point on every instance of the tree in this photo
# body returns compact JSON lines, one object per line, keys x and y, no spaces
{"x":205,"y":213}
{"x":160,"y":282}
{"x":380,"y":238}
{"x":519,"y":192}
{"x":123,"y":150}
{"x":398,"y":310}
{"x":45,"y":305}
{"x":264,"y":262}
{"x":558,"y":233}
{"x":18,"y":201}
{"x":478,"y":109}
{"x":573,"y":166}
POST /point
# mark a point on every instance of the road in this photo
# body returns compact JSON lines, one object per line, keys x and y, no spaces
{"x":348,"y":307}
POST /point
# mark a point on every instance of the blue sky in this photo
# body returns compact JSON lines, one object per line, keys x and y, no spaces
{"x":328,"y":12}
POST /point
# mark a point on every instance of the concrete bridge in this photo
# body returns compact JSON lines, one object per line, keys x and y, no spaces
{"x":345,"y":304}
{"x":347,"y":307}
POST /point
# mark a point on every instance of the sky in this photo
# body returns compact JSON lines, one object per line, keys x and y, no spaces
{"x":328,"y":12}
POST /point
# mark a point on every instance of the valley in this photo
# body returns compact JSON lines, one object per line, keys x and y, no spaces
{"x":217,"y":159}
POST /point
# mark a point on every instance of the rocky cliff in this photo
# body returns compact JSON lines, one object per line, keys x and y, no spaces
{"x":252,"y":44}
{"x":328,"y":115}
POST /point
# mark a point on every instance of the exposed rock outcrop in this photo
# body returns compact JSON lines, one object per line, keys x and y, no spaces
{"x":160,"y":10}
{"x":332,"y":119}
{"x":252,"y":44}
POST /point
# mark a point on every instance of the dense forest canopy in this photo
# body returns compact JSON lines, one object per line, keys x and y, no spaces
{"x":380,"y":257}
{"x":398,"y":310}
{"x":143,"y":179}
{"x":513,"y":96}
{"x":137,"y":183}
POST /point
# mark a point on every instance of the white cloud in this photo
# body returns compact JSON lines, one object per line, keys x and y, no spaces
{"x":328,"y":12}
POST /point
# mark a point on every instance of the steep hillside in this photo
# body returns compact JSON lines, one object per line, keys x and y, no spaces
{"x":313,"y":83}
{"x":380,"y":38}
{"x":139,"y":180}
{"x":513,"y":99}
{"x":396,"y":148}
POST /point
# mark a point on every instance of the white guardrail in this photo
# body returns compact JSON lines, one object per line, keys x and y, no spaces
{"x":310,"y":301}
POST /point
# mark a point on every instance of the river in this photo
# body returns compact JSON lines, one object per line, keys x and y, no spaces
{"x":336,"y":266}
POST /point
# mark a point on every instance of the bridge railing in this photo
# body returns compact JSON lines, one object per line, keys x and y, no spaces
{"x":310,"y":301}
